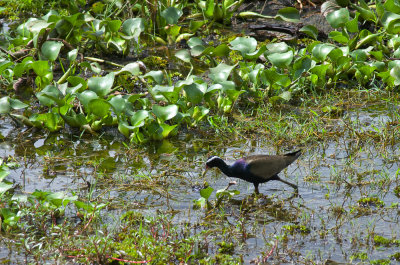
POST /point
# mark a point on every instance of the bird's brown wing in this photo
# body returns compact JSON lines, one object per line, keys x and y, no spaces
{"x":266,"y":166}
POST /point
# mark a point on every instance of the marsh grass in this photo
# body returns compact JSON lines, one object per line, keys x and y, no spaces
{"x":348,"y":180}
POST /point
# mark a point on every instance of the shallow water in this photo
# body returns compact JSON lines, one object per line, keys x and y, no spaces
{"x":330,"y":175}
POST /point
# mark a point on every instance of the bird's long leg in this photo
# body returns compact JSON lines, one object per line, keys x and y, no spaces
{"x":286,"y":182}
{"x":256,"y":188}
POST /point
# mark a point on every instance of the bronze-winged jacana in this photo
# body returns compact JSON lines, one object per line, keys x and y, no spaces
{"x":256,"y":168}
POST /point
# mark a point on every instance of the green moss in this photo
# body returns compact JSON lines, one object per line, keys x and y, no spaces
{"x":155,"y":62}
{"x":371,"y":201}
{"x":382,"y":241}
{"x":397,"y":191}
{"x":380,"y":261}
{"x":359,"y":255}
{"x":224,"y":259}
{"x":291,"y":229}
{"x":395,"y":256}
{"x":226,"y":248}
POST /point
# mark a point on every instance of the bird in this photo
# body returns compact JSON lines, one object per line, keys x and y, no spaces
{"x":256,"y":168}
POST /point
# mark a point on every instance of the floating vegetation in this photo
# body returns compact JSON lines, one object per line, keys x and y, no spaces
{"x":292,"y":229}
{"x":370,"y":202}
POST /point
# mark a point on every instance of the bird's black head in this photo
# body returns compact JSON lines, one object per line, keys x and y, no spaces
{"x":214,"y":161}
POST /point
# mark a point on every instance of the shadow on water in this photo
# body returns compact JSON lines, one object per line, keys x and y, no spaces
{"x":327,"y":221}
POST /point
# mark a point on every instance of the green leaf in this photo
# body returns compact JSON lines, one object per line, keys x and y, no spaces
{"x":51,"y":49}
{"x":335,"y":55}
{"x":41,"y":68}
{"x":85,"y":97}
{"x":118,"y":103}
{"x":50,"y":95}
{"x":391,"y":22}
{"x":5,"y":106}
{"x":380,"y":10}
{"x":359,"y":55}
{"x":4,"y":64}
{"x":338,"y":18}
{"x":23,"y":67}
{"x":167,"y":129}
{"x":339,"y":37}
{"x":124,"y":128}
{"x":133,"y":27}
{"x":101,"y":85}
{"x":195,"y":25}
{"x":198,"y":113}
{"x":321,"y":51}
{"x":369,"y":38}
{"x":280,"y":47}
{"x":365,"y":13}
{"x":244,"y":45}
{"x":78,"y":81}
{"x":75,"y":120}
{"x":209,"y":8}
{"x":281,"y":60}
{"x":166,"y":93}
{"x":165,"y":113}
{"x":17,"y":104}
{"x":171,"y":15}
{"x":352,"y":25}
{"x":221,"y":50}
{"x":49,"y":120}
{"x":131,"y":68}
{"x":3,"y":173}
{"x":301,"y":66}
{"x":138,"y":118}
{"x":223,"y":193}
{"x":184,"y":55}
{"x":319,"y":72}
{"x":378,"y":55}
{"x":157,"y":76}
{"x":221,"y":72}
{"x":114,"y":25}
{"x":35,"y":26}
{"x":194,"y":93}
{"x":72,"y":55}
{"x":395,"y":73}
{"x":195,"y":41}
{"x":173,"y":31}
{"x":4,"y":187}
{"x":310,"y":30}
{"x":197,"y":50}
{"x":206,"y":192}
{"x":392,"y":6}
{"x":290,"y":14}
{"x":99,"y":107}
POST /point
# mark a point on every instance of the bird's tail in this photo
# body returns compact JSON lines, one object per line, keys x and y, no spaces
{"x":296,"y":154}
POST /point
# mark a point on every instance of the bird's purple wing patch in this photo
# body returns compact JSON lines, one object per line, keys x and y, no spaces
{"x":239,"y":166}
